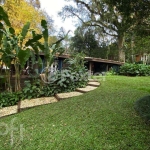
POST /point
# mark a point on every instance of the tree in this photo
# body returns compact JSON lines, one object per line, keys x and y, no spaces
{"x":110,"y":16}
{"x":136,"y":45}
{"x":77,"y":41}
{"x":85,"y":41}
{"x":22,"y":12}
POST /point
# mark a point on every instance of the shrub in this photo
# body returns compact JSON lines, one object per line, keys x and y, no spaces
{"x":49,"y":90}
{"x":135,"y":69}
{"x":32,"y":90}
{"x":142,"y":107}
{"x":9,"y":99}
{"x":67,"y":80}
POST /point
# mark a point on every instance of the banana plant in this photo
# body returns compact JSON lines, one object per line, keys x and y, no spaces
{"x":50,"y":50}
{"x":3,"y":20}
{"x":36,"y":46}
{"x":15,"y":48}
{"x":7,"y":57}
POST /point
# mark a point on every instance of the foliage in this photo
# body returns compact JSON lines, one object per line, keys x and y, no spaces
{"x":49,"y":90}
{"x":135,"y":69}
{"x":24,"y":12}
{"x":50,"y":51}
{"x":137,"y":11}
{"x":3,"y":20}
{"x":14,"y":47}
{"x":71,"y":78}
{"x":142,"y":106}
{"x":9,"y":99}
{"x":76,"y":61}
{"x":68,"y":80}
{"x":84,"y":41}
{"x":31,"y":90}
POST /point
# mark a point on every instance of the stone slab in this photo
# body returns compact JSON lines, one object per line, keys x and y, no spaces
{"x":86,"y":89}
{"x":8,"y":110}
{"x":36,"y":102}
{"x":91,"y":80}
{"x":93,"y":83}
{"x":67,"y":95}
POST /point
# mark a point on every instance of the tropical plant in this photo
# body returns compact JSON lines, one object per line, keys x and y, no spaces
{"x":76,"y":61}
{"x":32,"y":90}
{"x":15,"y":48}
{"x":68,"y":80}
{"x":3,"y":20}
{"x":51,"y":51}
{"x":9,"y":99}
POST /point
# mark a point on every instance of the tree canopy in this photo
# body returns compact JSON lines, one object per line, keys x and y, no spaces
{"x":84,"y":41}
{"x":114,"y":18}
{"x":22,"y":12}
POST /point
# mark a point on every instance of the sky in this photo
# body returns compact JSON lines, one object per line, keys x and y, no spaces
{"x":52,"y":7}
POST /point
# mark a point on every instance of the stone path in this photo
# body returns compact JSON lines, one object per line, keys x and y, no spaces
{"x":47,"y":100}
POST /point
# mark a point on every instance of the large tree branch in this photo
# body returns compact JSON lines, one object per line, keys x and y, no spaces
{"x":110,"y":27}
{"x":97,"y":25}
{"x":102,"y":17}
{"x":87,"y":6}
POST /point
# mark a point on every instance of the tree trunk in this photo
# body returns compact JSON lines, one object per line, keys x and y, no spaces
{"x":120,"y":48}
{"x":17,"y":78}
{"x":8,"y":84}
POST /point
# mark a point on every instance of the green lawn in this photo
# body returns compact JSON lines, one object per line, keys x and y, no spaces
{"x":103,"y":119}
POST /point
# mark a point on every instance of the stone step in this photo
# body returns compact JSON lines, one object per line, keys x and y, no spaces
{"x":93,"y":83}
{"x":61,"y":96}
{"x":93,"y":80}
{"x":86,"y":89}
{"x":8,"y":110}
{"x":36,"y":102}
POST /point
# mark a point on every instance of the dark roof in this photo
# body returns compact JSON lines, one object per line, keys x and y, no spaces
{"x":93,"y":59}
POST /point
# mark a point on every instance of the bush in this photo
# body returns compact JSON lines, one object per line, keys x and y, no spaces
{"x":67,"y":80}
{"x":142,"y":107}
{"x":32,"y":90}
{"x":9,"y":99}
{"x":135,"y":69}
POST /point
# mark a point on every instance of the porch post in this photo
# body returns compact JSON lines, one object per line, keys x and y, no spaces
{"x":106,"y":67}
{"x":90,"y":67}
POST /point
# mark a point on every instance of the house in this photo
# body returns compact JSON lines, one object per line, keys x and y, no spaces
{"x":94,"y":65}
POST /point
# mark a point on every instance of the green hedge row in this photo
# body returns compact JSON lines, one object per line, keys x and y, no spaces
{"x":135,"y":70}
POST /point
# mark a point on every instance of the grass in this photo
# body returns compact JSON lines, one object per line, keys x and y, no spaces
{"x":103,"y":119}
